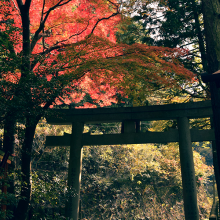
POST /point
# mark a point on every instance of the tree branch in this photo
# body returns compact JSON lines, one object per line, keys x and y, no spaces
{"x":57,"y":46}
{"x":20,"y":4}
{"x":27,"y":4}
{"x":77,"y":34}
{"x":41,"y":27}
{"x":99,"y":20}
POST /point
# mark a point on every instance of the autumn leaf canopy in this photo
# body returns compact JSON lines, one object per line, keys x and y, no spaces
{"x":62,"y":50}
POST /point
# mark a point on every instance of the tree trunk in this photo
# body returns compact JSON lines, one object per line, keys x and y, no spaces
{"x":22,"y":208}
{"x":8,"y":145}
{"x":200,"y":36}
{"x":211,"y":16}
{"x":9,"y":132}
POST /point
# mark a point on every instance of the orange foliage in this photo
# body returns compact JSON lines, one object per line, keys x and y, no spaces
{"x":66,"y":21}
{"x":73,"y":51}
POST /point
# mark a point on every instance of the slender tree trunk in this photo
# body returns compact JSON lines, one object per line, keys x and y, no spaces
{"x":200,"y":36}
{"x":9,"y":132}
{"x":31,"y":121}
{"x":8,"y":145}
{"x":211,"y":16}
{"x":22,"y":208}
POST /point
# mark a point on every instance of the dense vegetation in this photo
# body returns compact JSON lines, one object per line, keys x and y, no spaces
{"x":118,"y":182}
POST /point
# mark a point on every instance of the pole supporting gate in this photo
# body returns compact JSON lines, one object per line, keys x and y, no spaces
{"x":74,"y":171}
{"x":187,"y":170}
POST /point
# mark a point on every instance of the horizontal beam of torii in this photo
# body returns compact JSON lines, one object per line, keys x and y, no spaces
{"x":144,"y":113}
{"x":131,"y":138}
{"x":130,"y":118}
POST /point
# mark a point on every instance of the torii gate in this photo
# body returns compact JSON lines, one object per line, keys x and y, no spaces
{"x":130,"y":116}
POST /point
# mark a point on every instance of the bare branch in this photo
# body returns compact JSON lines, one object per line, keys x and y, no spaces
{"x":57,"y":46}
{"x":106,"y":18}
{"x":115,"y":4}
{"x":41,"y":27}
{"x":42,"y":12}
{"x":74,"y":35}
{"x":101,"y":19}
{"x":36,"y":60}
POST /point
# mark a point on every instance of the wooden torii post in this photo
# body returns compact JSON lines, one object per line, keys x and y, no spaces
{"x":129,"y":116}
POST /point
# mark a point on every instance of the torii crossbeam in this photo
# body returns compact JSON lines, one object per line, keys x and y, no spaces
{"x":129,"y":116}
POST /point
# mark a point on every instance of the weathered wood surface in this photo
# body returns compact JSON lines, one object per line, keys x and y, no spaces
{"x":131,"y":138}
{"x":145,"y":113}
